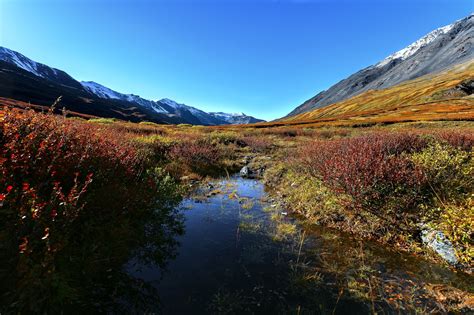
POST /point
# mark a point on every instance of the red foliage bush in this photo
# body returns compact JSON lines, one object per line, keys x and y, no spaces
{"x":71,"y":190}
{"x":198,"y":155}
{"x":457,"y":139}
{"x":52,"y":167}
{"x":257,"y":143}
{"x":371,"y":169}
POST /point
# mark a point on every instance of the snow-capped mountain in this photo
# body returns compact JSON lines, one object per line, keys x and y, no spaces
{"x":190,"y":113}
{"x":37,"y":68}
{"x":436,"y":51}
{"x":30,"y":81}
{"x":106,"y":93}
{"x":413,"y":48}
{"x":235,"y":118}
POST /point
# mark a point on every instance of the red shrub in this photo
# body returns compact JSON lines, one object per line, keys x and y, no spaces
{"x":200,"y":156}
{"x":370,"y":169}
{"x":457,"y":139}
{"x":257,"y":143}
{"x":51,"y":168}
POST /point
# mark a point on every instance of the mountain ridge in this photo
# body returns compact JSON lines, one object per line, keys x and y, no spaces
{"x":161,"y":111}
{"x":436,"y":51}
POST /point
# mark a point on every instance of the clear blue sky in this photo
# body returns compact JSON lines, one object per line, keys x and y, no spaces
{"x":260,"y":57}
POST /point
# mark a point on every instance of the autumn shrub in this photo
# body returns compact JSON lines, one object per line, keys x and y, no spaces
{"x":373,"y":170}
{"x":456,"y":220}
{"x":258,"y":144}
{"x":62,"y":180}
{"x":449,"y":172}
{"x":282,"y":131}
{"x":330,"y":133}
{"x":225,"y":138}
{"x":448,"y":169}
{"x":199,"y":156}
{"x":457,"y":139}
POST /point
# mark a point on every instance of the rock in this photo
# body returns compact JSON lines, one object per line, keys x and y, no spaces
{"x":245,"y":172}
{"x":438,"y":242}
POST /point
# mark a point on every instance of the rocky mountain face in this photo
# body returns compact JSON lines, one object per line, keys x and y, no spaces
{"x":438,"y":50}
{"x":26,"y":80}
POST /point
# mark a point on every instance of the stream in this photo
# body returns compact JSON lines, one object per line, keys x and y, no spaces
{"x":241,"y":254}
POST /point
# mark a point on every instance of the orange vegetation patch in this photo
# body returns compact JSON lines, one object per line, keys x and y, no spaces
{"x":415,"y":100}
{"x":24,"y":105}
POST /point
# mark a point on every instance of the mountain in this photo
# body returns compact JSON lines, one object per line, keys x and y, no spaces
{"x":25,"y":80}
{"x":182,"y":112}
{"x":444,"y":95}
{"x":37,"y":69}
{"x":236,"y":118}
{"x":438,"y":50}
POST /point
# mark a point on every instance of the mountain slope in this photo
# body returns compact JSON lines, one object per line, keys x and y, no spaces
{"x":25,"y":80}
{"x":26,"y":87}
{"x":447,"y":95}
{"x":436,"y":51}
{"x":37,"y":69}
{"x":236,"y":118}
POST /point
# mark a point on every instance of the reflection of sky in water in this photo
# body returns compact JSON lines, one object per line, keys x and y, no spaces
{"x":230,"y":258}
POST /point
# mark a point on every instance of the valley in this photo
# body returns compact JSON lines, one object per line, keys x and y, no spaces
{"x":359,"y":201}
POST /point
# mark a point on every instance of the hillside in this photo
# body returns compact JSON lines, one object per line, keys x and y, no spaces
{"x":442,"y":96}
{"x":438,"y":50}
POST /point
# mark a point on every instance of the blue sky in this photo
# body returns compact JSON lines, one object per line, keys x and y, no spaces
{"x":259,"y":57}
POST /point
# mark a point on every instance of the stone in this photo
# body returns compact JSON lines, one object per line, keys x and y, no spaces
{"x":245,"y":172}
{"x":437,"y":241}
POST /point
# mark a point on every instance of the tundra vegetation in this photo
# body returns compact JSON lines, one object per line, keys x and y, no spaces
{"x":76,"y":192}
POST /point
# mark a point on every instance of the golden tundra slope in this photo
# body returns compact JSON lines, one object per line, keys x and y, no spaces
{"x":431,"y":97}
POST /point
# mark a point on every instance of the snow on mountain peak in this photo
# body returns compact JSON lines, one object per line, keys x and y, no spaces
{"x":100,"y":90}
{"x":20,"y":61}
{"x":169,"y":102}
{"x":228,"y":114}
{"x":413,"y":48}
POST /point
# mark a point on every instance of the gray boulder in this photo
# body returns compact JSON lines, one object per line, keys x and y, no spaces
{"x":245,"y":172}
{"x":438,"y":242}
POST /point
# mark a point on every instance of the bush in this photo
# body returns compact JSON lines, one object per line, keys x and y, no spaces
{"x":449,"y":172}
{"x":199,"y":156}
{"x":373,"y":170}
{"x":257,"y":143}
{"x":225,"y":138}
{"x":62,"y":183}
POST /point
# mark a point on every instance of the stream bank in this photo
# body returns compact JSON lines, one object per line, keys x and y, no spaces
{"x":242,"y":254}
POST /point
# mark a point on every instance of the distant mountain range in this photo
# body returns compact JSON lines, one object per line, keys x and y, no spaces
{"x":438,"y":50}
{"x":26,"y":80}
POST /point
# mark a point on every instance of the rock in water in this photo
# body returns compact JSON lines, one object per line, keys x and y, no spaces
{"x":245,"y":172}
{"x":437,"y":241}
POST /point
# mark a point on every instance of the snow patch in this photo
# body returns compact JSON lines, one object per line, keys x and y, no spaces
{"x":413,"y":48}
{"x":19,"y":60}
{"x":101,"y":91}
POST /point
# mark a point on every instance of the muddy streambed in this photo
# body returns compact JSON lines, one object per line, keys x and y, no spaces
{"x":241,"y":254}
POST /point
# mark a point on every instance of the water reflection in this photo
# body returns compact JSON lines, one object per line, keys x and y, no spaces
{"x":241,"y":254}
{"x":228,"y":250}
{"x":87,"y":273}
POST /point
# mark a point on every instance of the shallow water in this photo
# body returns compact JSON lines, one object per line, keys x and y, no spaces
{"x":240,"y":254}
